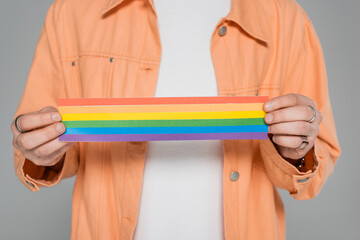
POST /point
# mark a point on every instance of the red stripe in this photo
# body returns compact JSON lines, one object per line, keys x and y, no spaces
{"x":160,"y":100}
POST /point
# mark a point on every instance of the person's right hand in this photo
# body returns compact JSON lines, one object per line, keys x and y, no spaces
{"x":39,"y":142}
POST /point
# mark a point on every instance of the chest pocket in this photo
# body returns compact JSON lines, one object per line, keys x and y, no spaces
{"x":248,"y":63}
{"x":105,"y":76}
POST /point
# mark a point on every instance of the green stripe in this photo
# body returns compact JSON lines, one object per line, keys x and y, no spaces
{"x":162,"y":123}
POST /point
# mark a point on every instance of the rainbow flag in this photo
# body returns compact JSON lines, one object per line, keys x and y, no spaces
{"x":162,"y":119}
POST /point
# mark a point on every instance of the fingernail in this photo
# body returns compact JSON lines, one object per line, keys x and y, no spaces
{"x":269,"y":117}
{"x":56,"y":117}
{"x":268,"y":106}
{"x":60,"y":128}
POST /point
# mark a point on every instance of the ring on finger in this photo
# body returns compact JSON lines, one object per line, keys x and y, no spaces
{"x":16,"y":124}
{"x":314,"y":114}
{"x":304,"y":144}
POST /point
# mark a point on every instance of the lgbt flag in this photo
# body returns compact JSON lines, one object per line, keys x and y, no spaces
{"x":162,"y":119}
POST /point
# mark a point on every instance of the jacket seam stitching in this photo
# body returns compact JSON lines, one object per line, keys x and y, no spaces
{"x":100,"y":191}
{"x":110,"y":55}
{"x":141,"y":54}
{"x":250,"y":88}
{"x":123,"y":188}
{"x":231,"y":63}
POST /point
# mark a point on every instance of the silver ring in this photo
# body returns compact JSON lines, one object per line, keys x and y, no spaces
{"x":17,"y":126}
{"x":314,"y":114}
{"x":304,"y":144}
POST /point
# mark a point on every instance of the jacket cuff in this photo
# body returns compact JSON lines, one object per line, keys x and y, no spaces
{"x":33,"y":176}
{"x":282,"y":173}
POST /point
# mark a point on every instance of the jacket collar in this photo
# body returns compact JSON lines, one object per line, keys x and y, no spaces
{"x":251,"y":15}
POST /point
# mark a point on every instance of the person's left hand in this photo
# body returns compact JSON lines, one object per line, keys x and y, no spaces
{"x":290,"y":120}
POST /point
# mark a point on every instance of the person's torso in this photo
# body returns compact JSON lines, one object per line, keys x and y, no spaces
{"x":184,"y":178}
{"x":113,"y":49}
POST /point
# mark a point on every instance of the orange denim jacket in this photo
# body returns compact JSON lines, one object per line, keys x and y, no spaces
{"x":111,"y":48}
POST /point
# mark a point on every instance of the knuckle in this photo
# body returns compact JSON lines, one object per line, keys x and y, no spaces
{"x":45,"y":134}
{"x":304,"y":99}
{"x":22,"y":142}
{"x":294,"y":98}
{"x":308,"y":110}
{"x":12,"y":127}
{"x":303,"y":128}
{"x":36,"y":154}
{"x":42,"y":152}
{"x":314,"y":104}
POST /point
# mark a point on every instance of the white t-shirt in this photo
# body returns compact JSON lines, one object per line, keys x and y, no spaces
{"x":182,"y":187}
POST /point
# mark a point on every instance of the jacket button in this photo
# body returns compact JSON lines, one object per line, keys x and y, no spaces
{"x":222,"y":31}
{"x":234,"y":176}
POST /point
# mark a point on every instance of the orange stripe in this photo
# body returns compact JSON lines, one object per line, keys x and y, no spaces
{"x":160,"y":100}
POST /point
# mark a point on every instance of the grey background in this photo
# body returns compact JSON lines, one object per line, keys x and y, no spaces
{"x":334,"y":214}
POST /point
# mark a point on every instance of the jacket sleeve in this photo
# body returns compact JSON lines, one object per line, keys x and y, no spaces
{"x":45,"y":85}
{"x":306,"y":75}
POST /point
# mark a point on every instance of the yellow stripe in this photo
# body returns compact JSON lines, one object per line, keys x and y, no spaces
{"x":162,"y":115}
{"x":162,"y":108}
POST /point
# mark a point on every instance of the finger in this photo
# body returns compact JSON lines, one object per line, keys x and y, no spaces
{"x":288,"y":141}
{"x":48,"y":109}
{"x":286,"y":101}
{"x":15,"y":132}
{"x":60,"y":153}
{"x":47,"y":162}
{"x":296,"y":153}
{"x":48,"y":153}
{"x":32,"y":121}
{"x":318,"y":117}
{"x":290,"y":114}
{"x":300,"y":128}
{"x":38,"y":137}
